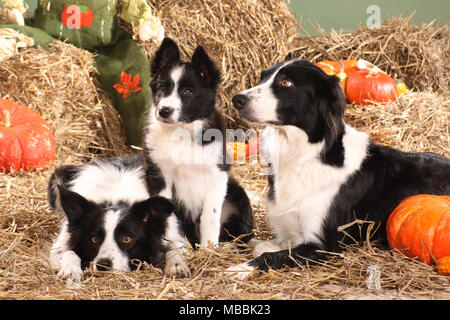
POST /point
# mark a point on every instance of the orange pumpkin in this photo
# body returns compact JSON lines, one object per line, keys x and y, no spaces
{"x":253,"y":148}
{"x":26,"y":140}
{"x":443,"y":266}
{"x":329,"y":67}
{"x":238,"y":150}
{"x":368,"y":85}
{"x":350,"y":66}
{"x":335,"y":67}
{"x":244,"y":152}
{"x":420,"y":227}
{"x":341,"y":69}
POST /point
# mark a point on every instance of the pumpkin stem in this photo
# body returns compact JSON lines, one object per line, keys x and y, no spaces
{"x":6,"y":118}
{"x":342,"y":65}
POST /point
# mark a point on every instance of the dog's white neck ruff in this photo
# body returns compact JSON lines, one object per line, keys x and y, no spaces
{"x":304,"y":186}
{"x":186,"y":164}
{"x":103,"y":182}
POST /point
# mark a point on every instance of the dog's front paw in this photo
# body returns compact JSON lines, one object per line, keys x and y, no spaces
{"x":178,"y":270}
{"x":239,"y":272}
{"x":73,"y":273}
{"x":70,"y":267}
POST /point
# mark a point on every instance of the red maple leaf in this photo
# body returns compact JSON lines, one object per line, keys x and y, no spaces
{"x":129,"y":85}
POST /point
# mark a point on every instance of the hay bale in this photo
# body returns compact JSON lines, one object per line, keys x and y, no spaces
{"x":243,"y":37}
{"x":415,"y":122}
{"x":419,"y":55}
{"x":58,"y":83}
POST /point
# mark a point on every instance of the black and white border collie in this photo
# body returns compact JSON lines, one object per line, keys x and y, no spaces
{"x":185,"y":156}
{"x":325,"y":174}
{"x":109,"y":218}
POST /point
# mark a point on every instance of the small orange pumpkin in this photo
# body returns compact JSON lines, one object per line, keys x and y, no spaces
{"x":368,"y":85}
{"x":244,"y":152}
{"x":26,"y":139}
{"x":341,"y":69}
{"x":335,"y":67}
{"x":238,"y":150}
{"x":329,"y":67}
{"x":420,"y":227}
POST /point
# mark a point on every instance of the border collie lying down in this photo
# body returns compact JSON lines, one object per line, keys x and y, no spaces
{"x":185,"y":156}
{"x":109,"y":218}
{"x":324,"y":173}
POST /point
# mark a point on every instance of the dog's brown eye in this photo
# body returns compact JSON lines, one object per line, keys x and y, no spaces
{"x":187,"y":92}
{"x":126,"y":239}
{"x":286,"y":83}
{"x":95,"y":239}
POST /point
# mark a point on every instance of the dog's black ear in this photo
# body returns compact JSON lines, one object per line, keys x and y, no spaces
{"x":74,"y":205}
{"x":331,"y":104}
{"x":154,"y":209}
{"x":167,"y":55}
{"x":336,"y":105}
{"x":207,"y":68}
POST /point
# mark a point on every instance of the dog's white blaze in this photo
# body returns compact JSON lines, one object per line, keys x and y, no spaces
{"x":262,"y":101}
{"x":305,"y":186}
{"x":173,"y":100}
{"x":103,"y":182}
{"x":109,"y":248}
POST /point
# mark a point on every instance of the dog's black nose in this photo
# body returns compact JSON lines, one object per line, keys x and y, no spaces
{"x":103,"y":264}
{"x":240,"y":101}
{"x":165,"y":112}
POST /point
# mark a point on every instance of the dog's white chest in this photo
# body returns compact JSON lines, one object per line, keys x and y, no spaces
{"x":304,"y":187}
{"x":193,"y":184}
{"x":191,"y":168}
{"x":303,"y":195}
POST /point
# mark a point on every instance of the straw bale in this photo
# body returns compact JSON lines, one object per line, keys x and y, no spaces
{"x":244,"y":37}
{"x":58,"y":83}
{"x":415,"y":122}
{"x":419,"y":55}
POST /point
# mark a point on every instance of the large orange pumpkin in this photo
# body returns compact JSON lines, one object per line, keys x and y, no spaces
{"x":420,"y":227}
{"x":367,"y":85}
{"x":26,"y":139}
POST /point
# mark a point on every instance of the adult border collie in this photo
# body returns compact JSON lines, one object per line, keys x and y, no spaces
{"x":185,"y":156}
{"x":109,"y":218}
{"x":325,"y":174}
